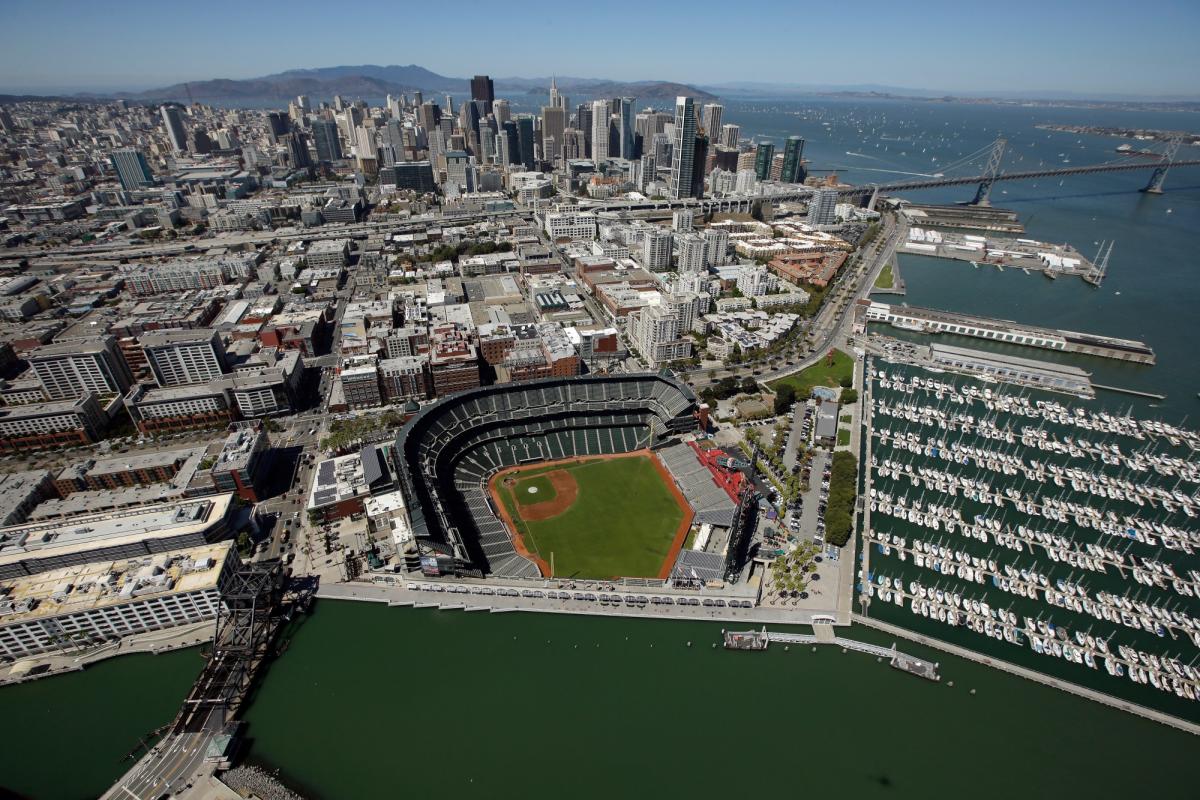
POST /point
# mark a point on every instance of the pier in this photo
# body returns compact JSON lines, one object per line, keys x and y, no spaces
{"x":984,"y":365}
{"x":932,"y":320}
{"x":979,"y":218}
{"x":1053,"y":260}
{"x":1134,"y":392}
{"x":761,"y":639}
{"x":1029,"y":674}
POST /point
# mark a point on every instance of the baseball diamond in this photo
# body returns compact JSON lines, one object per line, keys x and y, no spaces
{"x":612,"y":516}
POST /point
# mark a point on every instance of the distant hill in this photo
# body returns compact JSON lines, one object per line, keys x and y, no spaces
{"x":640,"y":90}
{"x":370,"y":80}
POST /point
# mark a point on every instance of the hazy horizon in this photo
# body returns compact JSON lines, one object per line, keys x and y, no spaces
{"x":1025,"y":49}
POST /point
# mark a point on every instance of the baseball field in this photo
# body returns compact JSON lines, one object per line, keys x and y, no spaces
{"x":601,"y":517}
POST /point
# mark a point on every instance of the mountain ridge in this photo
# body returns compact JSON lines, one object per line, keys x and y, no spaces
{"x":373,"y":80}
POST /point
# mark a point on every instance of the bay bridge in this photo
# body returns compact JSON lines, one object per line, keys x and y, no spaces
{"x":868,"y":194}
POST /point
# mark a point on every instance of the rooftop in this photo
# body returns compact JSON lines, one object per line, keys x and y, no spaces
{"x":90,"y":531}
{"x":106,"y":583}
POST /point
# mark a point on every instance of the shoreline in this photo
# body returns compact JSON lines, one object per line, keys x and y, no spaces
{"x":48,"y":665}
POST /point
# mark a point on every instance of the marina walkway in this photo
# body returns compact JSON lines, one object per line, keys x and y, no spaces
{"x":1022,"y":672}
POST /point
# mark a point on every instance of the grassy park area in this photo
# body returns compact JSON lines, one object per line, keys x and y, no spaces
{"x":836,"y":372}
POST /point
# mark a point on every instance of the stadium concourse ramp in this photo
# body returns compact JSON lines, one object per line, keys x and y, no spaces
{"x":710,"y":502}
{"x":449,"y":450}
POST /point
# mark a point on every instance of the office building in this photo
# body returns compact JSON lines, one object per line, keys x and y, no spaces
{"x":554,"y":118}
{"x":325,"y":137}
{"x":793,"y":160}
{"x":415,"y":176}
{"x":172,"y":116}
{"x":730,"y":134}
{"x":502,"y":111}
{"x":525,"y":141}
{"x":185,"y":357}
{"x":557,"y":100}
{"x":72,"y":369}
{"x":711,"y":120}
{"x":482,"y":89}
{"x":600,"y":123}
{"x":132,"y":169}
{"x":683,"y":149}
{"x":764,"y":157}
{"x":624,"y":112}
{"x":460,"y":171}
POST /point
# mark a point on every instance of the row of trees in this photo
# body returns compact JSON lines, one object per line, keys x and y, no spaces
{"x":839,"y":512}
{"x":451,"y":252}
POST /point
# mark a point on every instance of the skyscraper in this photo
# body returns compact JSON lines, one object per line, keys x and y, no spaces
{"x":583,"y":123}
{"x":132,"y":169}
{"x":793,"y":160}
{"x":554,"y":120}
{"x":762,"y":160}
{"x":325,"y":136}
{"x":501,"y":111}
{"x":177,"y":134}
{"x":525,"y":140}
{"x":600,"y":117}
{"x":481,"y":89}
{"x":699,"y":163}
{"x":557,"y":100}
{"x":730,"y":135}
{"x":625,"y":121}
{"x":712,"y":119}
{"x":683,"y":151}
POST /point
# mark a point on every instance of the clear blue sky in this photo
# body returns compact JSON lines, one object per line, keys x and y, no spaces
{"x":1104,"y":47}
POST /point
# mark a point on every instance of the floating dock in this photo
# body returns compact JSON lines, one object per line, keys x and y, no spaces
{"x":977,"y":218}
{"x":1029,"y":255}
{"x":931,"y":320}
{"x":761,"y":639}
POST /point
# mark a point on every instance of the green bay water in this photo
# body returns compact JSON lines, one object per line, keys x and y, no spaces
{"x":65,"y":738}
{"x":371,"y":701}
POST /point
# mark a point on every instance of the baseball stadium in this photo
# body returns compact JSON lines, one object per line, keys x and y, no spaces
{"x":558,"y":476}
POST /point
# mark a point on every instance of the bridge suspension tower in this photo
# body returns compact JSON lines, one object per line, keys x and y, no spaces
{"x":1155,"y":186}
{"x":983,"y":193}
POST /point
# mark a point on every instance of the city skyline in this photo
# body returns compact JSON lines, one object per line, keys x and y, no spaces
{"x":1066,"y":52}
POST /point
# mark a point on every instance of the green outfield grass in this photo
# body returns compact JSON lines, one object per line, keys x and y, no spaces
{"x":622,"y":523}
{"x":545,"y":490}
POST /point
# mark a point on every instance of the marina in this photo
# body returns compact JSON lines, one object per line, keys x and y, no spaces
{"x":931,"y":320}
{"x":1056,"y":536}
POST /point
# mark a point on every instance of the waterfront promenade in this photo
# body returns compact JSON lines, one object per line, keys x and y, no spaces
{"x":1029,"y":674}
{"x":397,"y":594}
